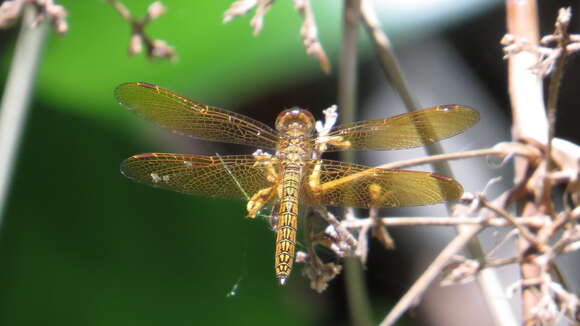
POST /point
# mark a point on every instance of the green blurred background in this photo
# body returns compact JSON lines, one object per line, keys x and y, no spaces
{"x":82,"y":245}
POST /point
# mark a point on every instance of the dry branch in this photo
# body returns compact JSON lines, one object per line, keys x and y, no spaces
{"x":12,"y":10}
{"x":308,"y":31}
{"x":154,"y":48}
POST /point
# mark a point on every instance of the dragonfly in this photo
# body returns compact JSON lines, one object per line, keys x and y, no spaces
{"x":293,"y":176}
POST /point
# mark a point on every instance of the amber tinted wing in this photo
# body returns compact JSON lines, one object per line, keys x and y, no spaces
{"x":406,"y":130}
{"x":345,"y":184}
{"x":179,"y":113}
{"x":211,"y":176}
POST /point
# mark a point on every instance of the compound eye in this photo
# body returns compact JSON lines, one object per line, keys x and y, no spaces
{"x":296,"y":120}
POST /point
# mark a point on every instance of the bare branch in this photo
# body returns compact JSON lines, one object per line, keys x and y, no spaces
{"x":535,"y":221}
{"x":501,"y":150}
{"x":465,"y":271}
{"x":239,"y":8}
{"x":341,"y":231}
{"x":562,"y":38}
{"x":11,"y":11}
{"x":309,"y":33}
{"x":258,"y":21}
{"x":155,"y":49}
{"x":242,"y":7}
{"x":523,"y":231}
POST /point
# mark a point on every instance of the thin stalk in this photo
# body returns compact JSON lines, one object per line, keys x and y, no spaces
{"x":529,"y":121}
{"x":17,"y":96}
{"x":554,"y":87}
{"x":487,"y":280}
{"x":347,"y":80}
{"x":536,"y":221}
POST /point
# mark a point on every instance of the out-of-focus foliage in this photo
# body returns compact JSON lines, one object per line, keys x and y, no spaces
{"x":214,"y":60}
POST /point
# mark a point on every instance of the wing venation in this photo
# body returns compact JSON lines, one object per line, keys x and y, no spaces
{"x":407,"y":130}
{"x":228,"y":177}
{"x":345,"y":184}
{"x":179,"y":113}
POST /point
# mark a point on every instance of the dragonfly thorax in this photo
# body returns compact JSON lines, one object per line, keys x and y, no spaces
{"x":295,"y":122}
{"x":295,"y":150}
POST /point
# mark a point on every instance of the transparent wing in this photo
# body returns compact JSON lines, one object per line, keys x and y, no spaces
{"x":229,"y":177}
{"x":345,"y":184}
{"x":179,"y":113}
{"x":407,"y":130}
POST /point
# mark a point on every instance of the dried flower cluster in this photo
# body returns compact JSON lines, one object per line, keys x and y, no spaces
{"x":560,"y":41}
{"x":155,"y":49}
{"x":11,"y":10}
{"x":550,"y":237}
{"x":308,"y":31}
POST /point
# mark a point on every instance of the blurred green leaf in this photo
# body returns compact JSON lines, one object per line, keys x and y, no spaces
{"x":81,"y":69}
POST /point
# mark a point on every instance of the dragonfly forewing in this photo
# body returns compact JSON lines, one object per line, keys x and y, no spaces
{"x":179,"y":113}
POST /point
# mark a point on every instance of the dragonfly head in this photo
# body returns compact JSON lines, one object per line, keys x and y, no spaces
{"x":295,"y":121}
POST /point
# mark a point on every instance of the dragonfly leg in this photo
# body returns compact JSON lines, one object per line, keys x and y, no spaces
{"x":378,"y":195}
{"x":314,"y":181}
{"x":259,"y":199}
{"x":339,"y":142}
{"x":263,"y":196}
{"x":267,"y":162}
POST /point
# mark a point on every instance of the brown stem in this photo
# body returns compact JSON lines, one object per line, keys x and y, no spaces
{"x":529,"y":121}
{"x":523,"y":231}
{"x":554,"y":87}
{"x":534,"y":221}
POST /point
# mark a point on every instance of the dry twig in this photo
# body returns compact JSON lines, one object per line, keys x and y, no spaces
{"x":563,"y":45}
{"x":155,"y":49}
{"x":11,"y":11}
{"x":308,"y":31}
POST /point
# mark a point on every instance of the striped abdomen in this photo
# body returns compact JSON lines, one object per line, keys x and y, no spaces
{"x":287,"y":223}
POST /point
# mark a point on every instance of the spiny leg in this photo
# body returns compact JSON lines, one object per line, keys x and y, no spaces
{"x":258,"y":200}
{"x":378,"y":195}
{"x":263,"y":196}
{"x":336,"y":141}
{"x":314,"y":181}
